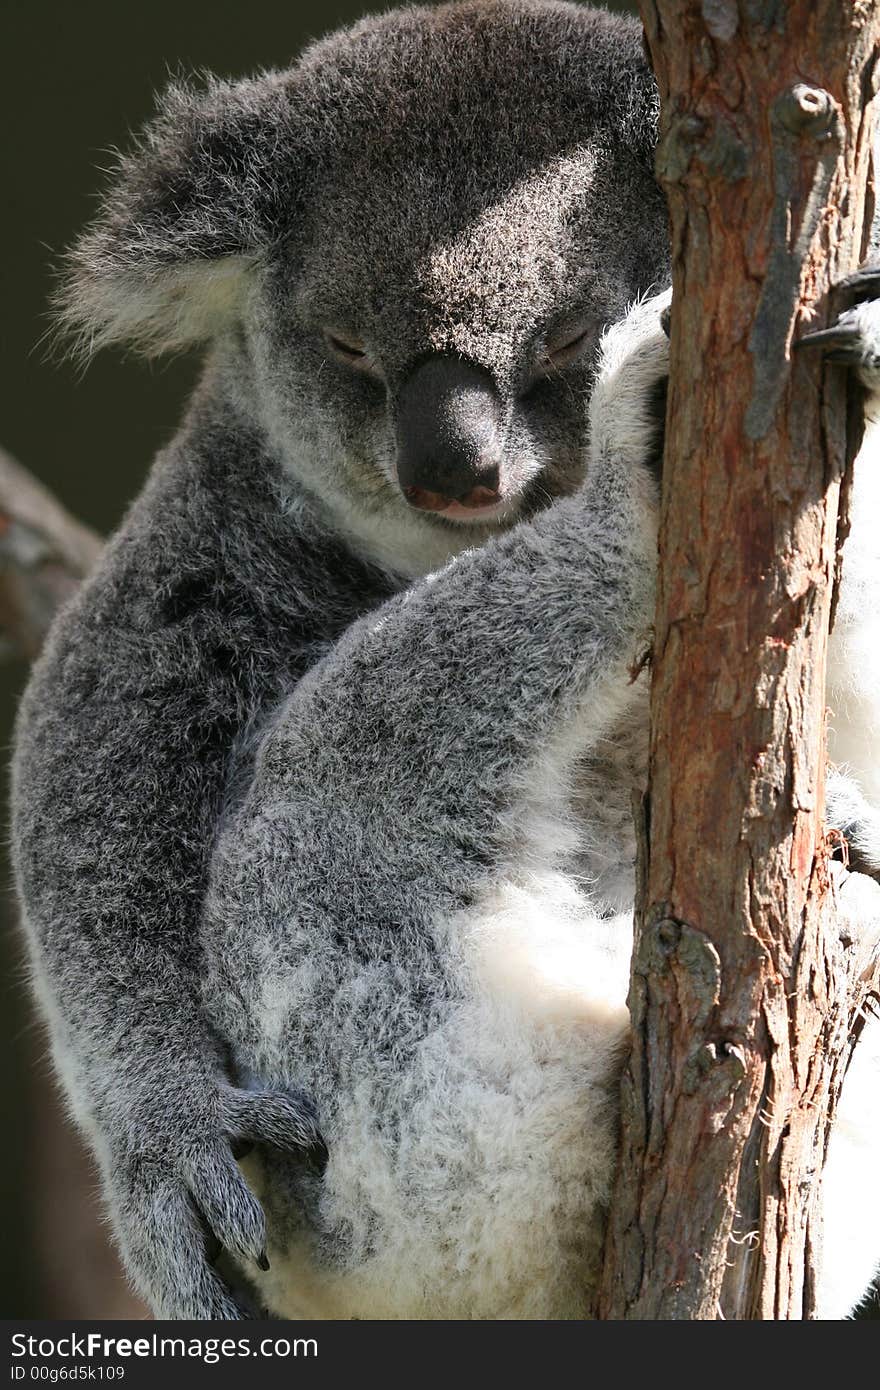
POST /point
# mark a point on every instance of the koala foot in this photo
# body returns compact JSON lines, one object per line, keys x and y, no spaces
{"x":856,"y":822}
{"x":177,"y":1208}
{"x":854,"y":337}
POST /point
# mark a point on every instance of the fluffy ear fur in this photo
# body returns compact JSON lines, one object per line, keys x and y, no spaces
{"x":218,"y":175}
{"x":189,"y":211}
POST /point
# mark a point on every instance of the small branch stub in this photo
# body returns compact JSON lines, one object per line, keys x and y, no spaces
{"x":807,"y":110}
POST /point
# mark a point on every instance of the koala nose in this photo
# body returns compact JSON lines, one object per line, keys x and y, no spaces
{"x":450,"y":435}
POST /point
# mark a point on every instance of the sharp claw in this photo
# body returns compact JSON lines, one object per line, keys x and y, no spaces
{"x":865,"y":281}
{"x":263,"y":1261}
{"x":846,"y":358}
{"x":840,"y":336}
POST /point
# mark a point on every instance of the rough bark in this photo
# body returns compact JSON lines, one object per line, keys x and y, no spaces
{"x":744,"y":1003}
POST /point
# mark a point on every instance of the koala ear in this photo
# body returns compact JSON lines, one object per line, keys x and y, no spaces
{"x":188,"y":214}
{"x":640,"y":109}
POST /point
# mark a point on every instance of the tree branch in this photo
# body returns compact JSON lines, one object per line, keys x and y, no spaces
{"x":44,"y":554}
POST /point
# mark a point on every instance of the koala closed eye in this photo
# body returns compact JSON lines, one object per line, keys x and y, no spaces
{"x":564,"y":346}
{"x":351,"y":350}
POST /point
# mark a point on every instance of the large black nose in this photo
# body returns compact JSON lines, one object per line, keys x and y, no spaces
{"x":449,"y":434}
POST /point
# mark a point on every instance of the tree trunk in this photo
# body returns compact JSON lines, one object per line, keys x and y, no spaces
{"x":744,"y":1004}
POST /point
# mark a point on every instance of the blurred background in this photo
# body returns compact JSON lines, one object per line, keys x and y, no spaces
{"x":77,"y":79}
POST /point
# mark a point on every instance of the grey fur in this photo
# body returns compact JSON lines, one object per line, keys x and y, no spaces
{"x":289,"y":745}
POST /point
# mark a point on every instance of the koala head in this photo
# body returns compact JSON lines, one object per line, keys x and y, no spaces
{"x":412,"y":240}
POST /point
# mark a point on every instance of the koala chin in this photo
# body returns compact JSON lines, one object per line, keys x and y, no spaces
{"x":322,"y":784}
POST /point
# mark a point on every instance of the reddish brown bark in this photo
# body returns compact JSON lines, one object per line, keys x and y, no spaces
{"x":743,"y":1001}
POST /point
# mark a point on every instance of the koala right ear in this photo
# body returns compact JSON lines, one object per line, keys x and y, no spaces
{"x":190,"y":210}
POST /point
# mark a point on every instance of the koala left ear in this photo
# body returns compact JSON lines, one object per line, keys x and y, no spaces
{"x":190,"y":210}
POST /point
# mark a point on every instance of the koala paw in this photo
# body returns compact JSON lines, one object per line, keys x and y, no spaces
{"x":628,"y":404}
{"x":857,"y":898}
{"x":176,"y":1206}
{"x":854,"y":337}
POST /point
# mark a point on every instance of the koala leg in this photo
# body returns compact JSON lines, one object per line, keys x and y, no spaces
{"x":851,"y":1215}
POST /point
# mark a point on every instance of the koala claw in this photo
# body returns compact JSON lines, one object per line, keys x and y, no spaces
{"x":839,"y":342}
{"x":165,"y":1244}
{"x":863,"y":283}
{"x":846,"y":340}
{"x":853,"y":339}
{"x":177,"y":1214}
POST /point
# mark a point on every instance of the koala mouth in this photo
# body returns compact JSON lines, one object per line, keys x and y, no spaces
{"x":481,"y":504}
{"x":457,"y":511}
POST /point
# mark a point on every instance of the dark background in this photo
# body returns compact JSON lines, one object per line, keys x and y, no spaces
{"x":76,"y":79}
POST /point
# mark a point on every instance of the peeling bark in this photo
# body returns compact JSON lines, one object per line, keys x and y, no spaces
{"x":744,"y":1002}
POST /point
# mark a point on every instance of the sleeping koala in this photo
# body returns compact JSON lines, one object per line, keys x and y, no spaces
{"x":322,"y":784}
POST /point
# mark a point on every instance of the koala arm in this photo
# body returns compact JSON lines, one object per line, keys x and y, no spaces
{"x":397,"y":767}
{"x":853,"y":340}
{"x":122,"y":744}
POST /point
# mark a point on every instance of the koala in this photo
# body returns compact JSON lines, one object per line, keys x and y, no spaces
{"x":322,"y":784}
